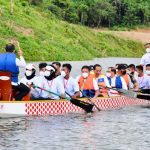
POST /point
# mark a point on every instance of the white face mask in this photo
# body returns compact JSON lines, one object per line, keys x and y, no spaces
{"x":148,"y":50}
{"x":42,"y":73}
{"x":108,"y":74}
{"x":147,"y":72}
{"x":47,"y":73}
{"x":63,"y":73}
{"x":28,"y":73}
{"x":85,"y":75}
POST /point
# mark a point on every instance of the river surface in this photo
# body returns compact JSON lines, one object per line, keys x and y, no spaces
{"x":122,"y":129}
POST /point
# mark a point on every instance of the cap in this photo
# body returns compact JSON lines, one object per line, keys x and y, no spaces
{"x":30,"y":67}
{"x":121,"y":67}
{"x":49,"y":68}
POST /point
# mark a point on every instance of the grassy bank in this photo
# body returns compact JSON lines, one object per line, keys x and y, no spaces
{"x":43,"y":37}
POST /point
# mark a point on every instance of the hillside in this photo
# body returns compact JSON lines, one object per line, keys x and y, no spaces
{"x":44,"y":37}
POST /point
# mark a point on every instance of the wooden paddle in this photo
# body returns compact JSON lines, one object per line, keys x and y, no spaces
{"x":90,"y":101}
{"x":128,"y":93}
{"x":84,"y":105}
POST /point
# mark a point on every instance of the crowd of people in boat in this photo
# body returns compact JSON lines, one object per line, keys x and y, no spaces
{"x":56,"y":78}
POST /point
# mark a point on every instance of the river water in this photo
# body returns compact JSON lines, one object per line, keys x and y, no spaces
{"x":104,"y":62}
{"x":122,"y":129}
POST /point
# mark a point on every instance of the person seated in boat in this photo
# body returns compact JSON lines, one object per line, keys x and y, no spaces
{"x":146,"y":57}
{"x":143,"y":80}
{"x":50,"y":83}
{"x":123,"y":73}
{"x":42,"y":68}
{"x":87,"y":83}
{"x":131,"y":71}
{"x":57,"y":65}
{"x":101,"y":79}
{"x":148,"y":70}
{"x":119,"y":80}
{"x":115,"y":81}
{"x":70,"y":84}
{"x":91,"y":69}
{"x":9,"y":62}
{"x":29,"y":79}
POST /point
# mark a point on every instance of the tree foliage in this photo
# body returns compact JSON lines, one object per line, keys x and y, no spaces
{"x":105,"y":13}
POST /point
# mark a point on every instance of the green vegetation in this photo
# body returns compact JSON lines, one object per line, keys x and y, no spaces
{"x":43,"y":36}
{"x":105,"y":13}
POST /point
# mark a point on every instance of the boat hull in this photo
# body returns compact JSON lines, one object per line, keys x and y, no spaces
{"x":57,"y":107}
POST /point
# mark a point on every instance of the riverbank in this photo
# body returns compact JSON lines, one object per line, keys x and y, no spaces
{"x":44,"y":37}
{"x":141,"y":35}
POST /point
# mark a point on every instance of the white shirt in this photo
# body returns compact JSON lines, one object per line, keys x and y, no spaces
{"x":113,"y":82}
{"x":54,"y":85}
{"x":35,"y":80}
{"x":71,"y":86}
{"x":124,"y":85}
{"x":143,"y":82}
{"x":20,"y":63}
{"x":145,"y":59}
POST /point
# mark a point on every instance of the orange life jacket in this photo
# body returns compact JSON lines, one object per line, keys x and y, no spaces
{"x":86,"y":84}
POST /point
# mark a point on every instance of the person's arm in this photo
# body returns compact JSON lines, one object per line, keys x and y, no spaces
{"x":124,"y":85}
{"x":131,"y":85}
{"x":76,"y":89}
{"x":20,"y":62}
{"x":142,"y":62}
{"x":106,"y":82}
{"x":96,"y":88}
{"x":60,"y":88}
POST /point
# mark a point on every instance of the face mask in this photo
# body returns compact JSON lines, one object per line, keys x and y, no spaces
{"x":47,"y":73}
{"x":108,"y":74}
{"x":147,"y":72}
{"x":85,"y":75}
{"x":63,"y":73}
{"x":148,"y":50}
{"x":42,"y":73}
{"x":28,"y":73}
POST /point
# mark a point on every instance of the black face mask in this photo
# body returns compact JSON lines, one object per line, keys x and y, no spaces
{"x":51,"y":77}
{"x":32,"y":76}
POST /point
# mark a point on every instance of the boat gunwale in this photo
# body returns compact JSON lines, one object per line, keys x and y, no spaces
{"x":61,"y":100}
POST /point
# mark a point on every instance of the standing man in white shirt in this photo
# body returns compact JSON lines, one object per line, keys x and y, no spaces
{"x":142,"y":79}
{"x":146,"y":58}
{"x":70,"y":84}
{"x":148,"y":70}
{"x":9,"y":62}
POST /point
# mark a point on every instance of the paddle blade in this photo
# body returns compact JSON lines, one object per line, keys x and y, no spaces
{"x":86,"y":106}
{"x":128,"y":93}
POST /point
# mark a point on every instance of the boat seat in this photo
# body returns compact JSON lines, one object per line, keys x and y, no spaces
{"x":5,"y":86}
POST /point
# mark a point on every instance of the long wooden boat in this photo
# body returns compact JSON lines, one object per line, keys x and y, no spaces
{"x":58,"y":107}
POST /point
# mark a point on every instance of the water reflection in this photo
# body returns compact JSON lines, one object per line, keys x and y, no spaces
{"x":123,"y":129}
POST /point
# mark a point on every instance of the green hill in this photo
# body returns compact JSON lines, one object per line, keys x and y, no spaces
{"x":44,"y":37}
